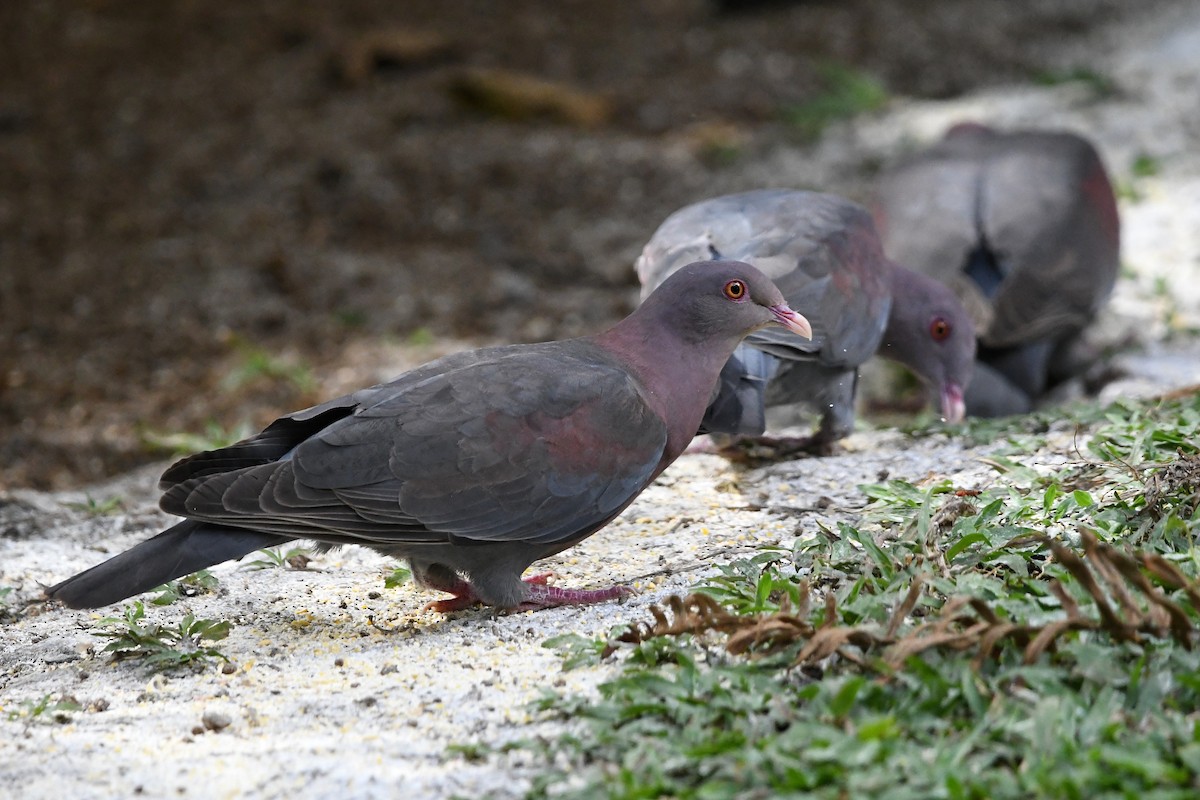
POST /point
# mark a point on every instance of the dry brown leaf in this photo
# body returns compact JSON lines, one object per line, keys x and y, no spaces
{"x":963,"y":622}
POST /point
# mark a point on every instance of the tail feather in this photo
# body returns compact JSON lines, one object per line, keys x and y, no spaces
{"x":179,"y":550}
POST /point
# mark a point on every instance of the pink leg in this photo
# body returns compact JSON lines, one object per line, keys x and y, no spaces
{"x":463,"y":596}
{"x":540,"y":595}
{"x":703,"y":444}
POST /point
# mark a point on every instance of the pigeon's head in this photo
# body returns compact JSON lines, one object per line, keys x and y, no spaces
{"x":931,"y":333}
{"x":711,"y":300}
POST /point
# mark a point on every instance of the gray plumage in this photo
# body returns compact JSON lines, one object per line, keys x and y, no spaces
{"x":1024,"y":227}
{"x":825,"y":256}
{"x":472,"y":466}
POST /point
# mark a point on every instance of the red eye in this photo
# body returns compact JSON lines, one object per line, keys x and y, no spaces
{"x":735,"y":290}
{"x":939,"y":329}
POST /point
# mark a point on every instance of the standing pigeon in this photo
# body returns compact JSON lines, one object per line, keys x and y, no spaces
{"x":823,"y":253}
{"x":472,"y":466}
{"x":1023,"y":226}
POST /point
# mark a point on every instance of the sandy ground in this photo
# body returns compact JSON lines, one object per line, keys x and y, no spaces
{"x":340,"y":687}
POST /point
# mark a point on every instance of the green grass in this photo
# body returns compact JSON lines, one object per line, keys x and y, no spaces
{"x":1031,"y":637}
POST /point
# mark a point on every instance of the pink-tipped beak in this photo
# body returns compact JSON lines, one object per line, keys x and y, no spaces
{"x":954,"y":409}
{"x":794,"y":322}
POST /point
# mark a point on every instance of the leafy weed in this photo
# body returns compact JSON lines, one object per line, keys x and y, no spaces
{"x":162,"y":647}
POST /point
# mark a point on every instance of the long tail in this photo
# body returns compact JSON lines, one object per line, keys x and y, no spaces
{"x":179,"y":550}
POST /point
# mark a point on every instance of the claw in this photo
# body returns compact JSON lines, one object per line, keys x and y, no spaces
{"x":456,"y":603}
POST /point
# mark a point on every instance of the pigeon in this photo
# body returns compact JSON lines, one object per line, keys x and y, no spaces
{"x":824,"y":254}
{"x":472,"y":466}
{"x":1023,"y":226}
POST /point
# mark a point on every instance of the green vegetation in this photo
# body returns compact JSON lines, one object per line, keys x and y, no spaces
{"x":351,"y":317}
{"x":98,"y":508}
{"x":214,"y":437}
{"x":277,"y":558}
{"x":846,"y":92}
{"x":202,"y":582}
{"x":1031,"y":637}
{"x":162,"y":647}
{"x":45,"y":709}
{"x":1143,"y":166}
{"x":420,"y":337}
{"x":1102,"y":87}
{"x":397,"y":577}
{"x":256,"y":363}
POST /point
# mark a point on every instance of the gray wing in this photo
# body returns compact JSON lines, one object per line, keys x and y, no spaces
{"x":821,"y":250}
{"x":1023,"y":227}
{"x":1048,"y":210}
{"x":540,"y":444}
{"x":279,"y":438}
{"x":926,"y":210}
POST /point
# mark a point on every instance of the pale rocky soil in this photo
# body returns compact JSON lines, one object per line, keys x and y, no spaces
{"x":341,"y":687}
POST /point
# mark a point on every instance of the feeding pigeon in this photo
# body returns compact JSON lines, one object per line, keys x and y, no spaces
{"x":1023,"y":227}
{"x":823,"y":253}
{"x":472,"y":466}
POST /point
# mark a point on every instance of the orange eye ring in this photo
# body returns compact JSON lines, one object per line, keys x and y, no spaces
{"x":939,"y":329}
{"x":735,"y":290}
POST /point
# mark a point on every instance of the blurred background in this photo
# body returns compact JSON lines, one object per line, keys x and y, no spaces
{"x":214,"y":212}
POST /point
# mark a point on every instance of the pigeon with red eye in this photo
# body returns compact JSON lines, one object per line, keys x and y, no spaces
{"x":1023,"y":226}
{"x":825,"y":256}
{"x":473,"y":466}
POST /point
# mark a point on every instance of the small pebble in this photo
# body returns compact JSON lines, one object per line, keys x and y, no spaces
{"x":215,"y":720}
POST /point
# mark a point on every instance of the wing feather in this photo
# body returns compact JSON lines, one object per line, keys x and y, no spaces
{"x":538,"y":444}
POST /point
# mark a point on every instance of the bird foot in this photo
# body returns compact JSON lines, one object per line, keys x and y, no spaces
{"x":465,"y":597}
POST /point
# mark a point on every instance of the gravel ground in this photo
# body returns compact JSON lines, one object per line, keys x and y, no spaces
{"x":340,"y":687}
